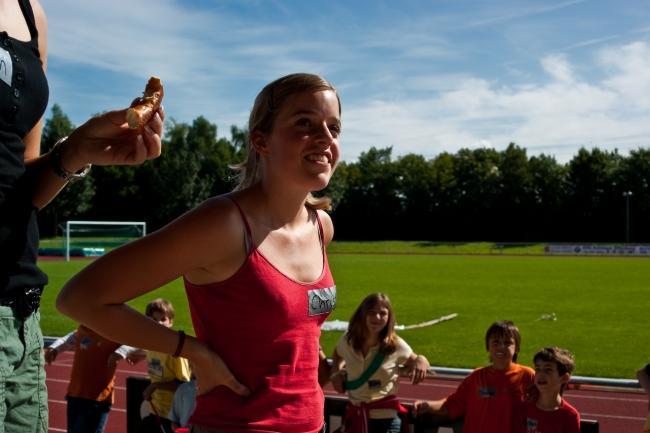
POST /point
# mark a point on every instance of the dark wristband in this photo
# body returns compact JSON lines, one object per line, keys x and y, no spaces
{"x":181,"y":343}
{"x":647,"y":369}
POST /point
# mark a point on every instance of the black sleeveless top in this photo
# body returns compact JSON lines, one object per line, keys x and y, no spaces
{"x":23,"y":99}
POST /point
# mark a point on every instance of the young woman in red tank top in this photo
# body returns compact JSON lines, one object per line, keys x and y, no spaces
{"x":255,"y":271}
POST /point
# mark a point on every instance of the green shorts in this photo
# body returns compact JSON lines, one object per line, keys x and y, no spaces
{"x":23,"y":395}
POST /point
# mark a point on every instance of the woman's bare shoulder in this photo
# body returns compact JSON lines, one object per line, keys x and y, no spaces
{"x":215,"y":220}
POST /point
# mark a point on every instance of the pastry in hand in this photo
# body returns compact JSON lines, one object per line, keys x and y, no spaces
{"x":143,"y":108}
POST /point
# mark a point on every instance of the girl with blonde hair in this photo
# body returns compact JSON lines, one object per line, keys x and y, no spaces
{"x":255,"y":272}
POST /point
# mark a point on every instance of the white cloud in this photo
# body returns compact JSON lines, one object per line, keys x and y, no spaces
{"x":122,"y":36}
{"x":558,"y":67}
{"x":630,"y":66}
{"x":422,"y":83}
{"x":554,"y":118}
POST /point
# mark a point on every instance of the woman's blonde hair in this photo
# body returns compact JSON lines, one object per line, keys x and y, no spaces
{"x":267,"y":105}
{"x":358,"y":330}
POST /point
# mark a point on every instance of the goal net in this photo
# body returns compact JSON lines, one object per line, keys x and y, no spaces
{"x":94,"y":238}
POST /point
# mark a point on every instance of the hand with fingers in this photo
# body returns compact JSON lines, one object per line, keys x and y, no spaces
{"x":113,"y":359}
{"x":50,"y":355}
{"x":419,"y":369}
{"x":211,"y":371}
{"x":121,"y":137}
{"x":107,"y":140}
{"x":420,"y":407}
{"x":136,"y":356}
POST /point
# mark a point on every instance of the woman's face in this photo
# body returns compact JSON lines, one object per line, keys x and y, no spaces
{"x":377,"y":319}
{"x":303,"y":146}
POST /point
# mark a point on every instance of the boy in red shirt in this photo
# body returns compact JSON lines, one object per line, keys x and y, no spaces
{"x":550,"y":413}
{"x":489,"y":396}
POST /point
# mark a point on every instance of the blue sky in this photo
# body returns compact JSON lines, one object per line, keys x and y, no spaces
{"x":421,"y":76}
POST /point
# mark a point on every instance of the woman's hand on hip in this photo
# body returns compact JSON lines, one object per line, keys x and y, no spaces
{"x":211,"y":371}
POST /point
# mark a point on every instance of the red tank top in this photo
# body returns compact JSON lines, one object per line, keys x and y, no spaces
{"x":266,"y":327}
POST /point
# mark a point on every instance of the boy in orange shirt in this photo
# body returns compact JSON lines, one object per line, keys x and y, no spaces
{"x":92,"y":380}
{"x":489,"y":396}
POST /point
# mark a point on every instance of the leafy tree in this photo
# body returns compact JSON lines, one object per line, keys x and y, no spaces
{"x":634,"y":176}
{"x":549,"y":195}
{"x":513,"y":205}
{"x":444,"y":198}
{"x":239,"y":139}
{"x":178,"y":180}
{"x":474,"y":194}
{"x":339,"y":184}
{"x":477,"y":180}
{"x":591,"y":194}
{"x":371,"y":206}
{"x":215,"y":155}
{"x":415,"y":180}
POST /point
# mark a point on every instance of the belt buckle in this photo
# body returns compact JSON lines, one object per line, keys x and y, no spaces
{"x":28,"y":302}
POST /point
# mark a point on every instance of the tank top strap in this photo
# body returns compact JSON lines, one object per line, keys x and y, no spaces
{"x":321,"y":236}
{"x":249,"y":234}
{"x":28,"y":13}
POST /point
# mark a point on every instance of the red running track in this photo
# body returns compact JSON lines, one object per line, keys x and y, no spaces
{"x":616,"y":412}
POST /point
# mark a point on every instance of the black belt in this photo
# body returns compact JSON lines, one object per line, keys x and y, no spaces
{"x":23,"y":301}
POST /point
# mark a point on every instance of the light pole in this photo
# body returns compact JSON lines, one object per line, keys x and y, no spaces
{"x":627,"y":195}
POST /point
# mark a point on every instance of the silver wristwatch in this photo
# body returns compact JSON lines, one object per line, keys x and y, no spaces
{"x":59,"y":169}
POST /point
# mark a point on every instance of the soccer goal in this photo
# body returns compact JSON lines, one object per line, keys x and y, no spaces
{"x":93,"y":238}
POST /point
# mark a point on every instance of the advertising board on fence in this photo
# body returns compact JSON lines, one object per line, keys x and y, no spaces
{"x":598,"y":250}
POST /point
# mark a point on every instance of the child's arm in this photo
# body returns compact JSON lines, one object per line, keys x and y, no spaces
{"x":455,"y":405}
{"x":60,"y":345}
{"x":419,"y":367}
{"x":323,"y":368}
{"x":208,"y":237}
{"x":133,"y":355}
{"x":432,"y":406}
{"x":644,"y":378}
{"x":337,"y":375}
{"x":169,"y":385}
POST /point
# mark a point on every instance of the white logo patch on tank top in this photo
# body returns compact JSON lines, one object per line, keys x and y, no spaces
{"x":6,"y":66}
{"x":321,"y":301}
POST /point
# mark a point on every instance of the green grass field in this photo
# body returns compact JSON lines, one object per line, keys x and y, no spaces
{"x":599,"y":302}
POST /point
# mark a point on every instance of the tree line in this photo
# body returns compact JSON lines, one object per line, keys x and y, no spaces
{"x":470,"y":195}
